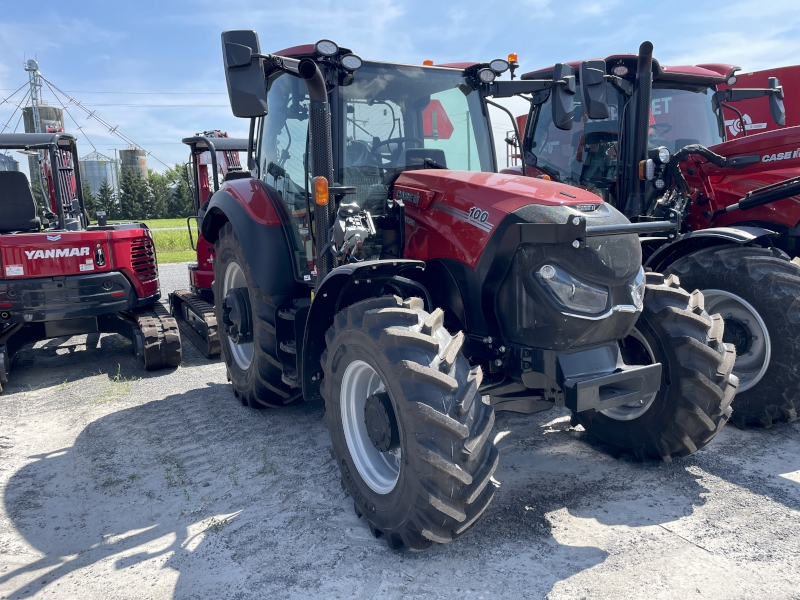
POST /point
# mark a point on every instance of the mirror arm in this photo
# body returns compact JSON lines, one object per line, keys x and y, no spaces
{"x":506,"y":89}
{"x":623,"y":86}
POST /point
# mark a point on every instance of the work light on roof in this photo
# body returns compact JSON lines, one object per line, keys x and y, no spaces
{"x":732,"y":80}
{"x":486,"y":75}
{"x":498,"y":65}
{"x":351,"y":62}
{"x":620,"y":70}
{"x":326,"y":48}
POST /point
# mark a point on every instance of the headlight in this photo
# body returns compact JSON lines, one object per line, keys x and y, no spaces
{"x":486,"y":75}
{"x":572,"y":293}
{"x":498,"y":65}
{"x":326,"y":48}
{"x":351,"y":62}
{"x":661,"y":155}
{"x":637,"y":289}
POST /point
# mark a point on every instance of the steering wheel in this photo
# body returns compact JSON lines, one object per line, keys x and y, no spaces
{"x":360,"y":155}
{"x":393,"y":155}
{"x":663,"y":127}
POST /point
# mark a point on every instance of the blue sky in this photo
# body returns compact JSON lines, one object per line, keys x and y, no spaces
{"x":159,"y":64}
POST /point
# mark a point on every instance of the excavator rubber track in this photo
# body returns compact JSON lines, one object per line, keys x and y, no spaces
{"x":197,"y":321}
{"x":160,"y":338}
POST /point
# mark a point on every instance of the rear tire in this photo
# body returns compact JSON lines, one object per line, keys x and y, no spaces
{"x":435,"y":483}
{"x":697,"y":388}
{"x":254,"y":371}
{"x":757,"y":291}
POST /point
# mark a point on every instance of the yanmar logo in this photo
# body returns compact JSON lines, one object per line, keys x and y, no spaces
{"x":58,"y":253}
{"x":781,"y":156}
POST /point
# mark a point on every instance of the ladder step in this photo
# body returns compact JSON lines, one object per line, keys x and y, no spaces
{"x":290,"y":379}
{"x":289,"y":347}
{"x":287,"y":314}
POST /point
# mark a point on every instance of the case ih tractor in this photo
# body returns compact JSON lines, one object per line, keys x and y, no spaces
{"x":650,"y":139}
{"x":61,"y":277}
{"x":213,"y":155}
{"x":371,"y":256}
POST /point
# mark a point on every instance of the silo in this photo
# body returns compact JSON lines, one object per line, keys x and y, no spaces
{"x":50,"y":119}
{"x":135,"y":159}
{"x":96,"y":168}
{"x":7,"y":163}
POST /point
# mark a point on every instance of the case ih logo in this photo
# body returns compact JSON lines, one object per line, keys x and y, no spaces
{"x":781,"y":156}
{"x":407,"y":196}
{"x":735,"y":125}
{"x":57,"y":253}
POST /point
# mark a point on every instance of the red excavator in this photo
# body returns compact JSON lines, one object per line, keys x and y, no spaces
{"x":213,"y":156}
{"x":62,"y":276}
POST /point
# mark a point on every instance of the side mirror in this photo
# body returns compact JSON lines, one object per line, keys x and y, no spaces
{"x":776,"y":108}
{"x":593,"y":88}
{"x":563,"y":96}
{"x":247,"y":85}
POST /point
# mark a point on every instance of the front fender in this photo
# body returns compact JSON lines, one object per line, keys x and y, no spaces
{"x":264,"y":244}
{"x":342,"y":287}
{"x":705,"y":238}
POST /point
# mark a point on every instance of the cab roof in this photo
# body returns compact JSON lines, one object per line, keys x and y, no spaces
{"x":705,"y":75}
{"x":304,"y":50}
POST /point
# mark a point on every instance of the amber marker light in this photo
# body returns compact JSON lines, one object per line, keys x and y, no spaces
{"x":321,"y":190}
{"x":512,"y":57}
{"x":427,"y":63}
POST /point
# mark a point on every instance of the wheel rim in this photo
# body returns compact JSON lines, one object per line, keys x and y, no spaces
{"x":234,"y":278}
{"x":634,"y":410}
{"x":743,"y":320}
{"x":379,"y":470}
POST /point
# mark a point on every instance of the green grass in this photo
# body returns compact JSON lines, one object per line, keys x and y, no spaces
{"x":166,"y":223}
{"x":173,"y":245}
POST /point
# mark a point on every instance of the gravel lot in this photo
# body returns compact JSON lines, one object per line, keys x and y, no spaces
{"x":117,"y":483}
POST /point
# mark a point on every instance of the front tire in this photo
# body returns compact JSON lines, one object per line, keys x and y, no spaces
{"x":425,"y":474}
{"x":757,"y":292}
{"x":253,"y":367}
{"x":697,"y":388}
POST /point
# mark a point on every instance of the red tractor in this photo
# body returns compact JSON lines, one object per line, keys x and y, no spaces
{"x":61,"y":276}
{"x":371,"y":256}
{"x":651,"y":140}
{"x":751,"y":116}
{"x":213,"y":155}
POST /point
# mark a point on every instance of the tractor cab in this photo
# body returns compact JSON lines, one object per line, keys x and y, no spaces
{"x":686,"y":109}
{"x":59,"y":180}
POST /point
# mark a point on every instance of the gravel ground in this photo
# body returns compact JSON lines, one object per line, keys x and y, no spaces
{"x":117,"y":483}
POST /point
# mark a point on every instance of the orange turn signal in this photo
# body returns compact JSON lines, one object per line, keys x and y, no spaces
{"x":512,"y":57}
{"x":427,"y":63}
{"x":547,"y":177}
{"x":321,"y":195}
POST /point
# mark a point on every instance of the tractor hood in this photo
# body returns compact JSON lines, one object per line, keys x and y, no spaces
{"x":453,"y":214}
{"x":779,"y":149}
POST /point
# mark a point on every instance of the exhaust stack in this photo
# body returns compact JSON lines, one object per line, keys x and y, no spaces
{"x":642,"y":92}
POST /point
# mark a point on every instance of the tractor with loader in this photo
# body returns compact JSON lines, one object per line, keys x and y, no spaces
{"x":369,"y":255}
{"x":63,"y":276}
{"x":651,"y":140}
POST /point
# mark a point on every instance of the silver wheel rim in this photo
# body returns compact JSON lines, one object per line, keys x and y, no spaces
{"x":234,"y":278}
{"x":379,"y":470}
{"x":634,"y":410}
{"x":750,"y":367}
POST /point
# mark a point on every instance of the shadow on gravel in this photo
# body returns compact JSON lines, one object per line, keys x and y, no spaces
{"x":235,"y":502}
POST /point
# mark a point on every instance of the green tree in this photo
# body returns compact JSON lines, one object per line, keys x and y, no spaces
{"x":158,"y":196}
{"x":89,"y":201}
{"x":107,"y":201}
{"x":180,"y":199}
{"x":132,"y":196}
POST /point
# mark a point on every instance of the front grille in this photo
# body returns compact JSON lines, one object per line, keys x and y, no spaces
{"x":143,"y":259}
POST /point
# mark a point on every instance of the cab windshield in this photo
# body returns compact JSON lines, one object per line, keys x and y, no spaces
{"x":586,"y":155}
{"x":397,"y":116}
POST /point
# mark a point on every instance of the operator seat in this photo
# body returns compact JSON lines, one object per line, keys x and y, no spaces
{"x":17,"y":207}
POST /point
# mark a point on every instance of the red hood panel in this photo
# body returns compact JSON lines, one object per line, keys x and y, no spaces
{"x":452,"y":214}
